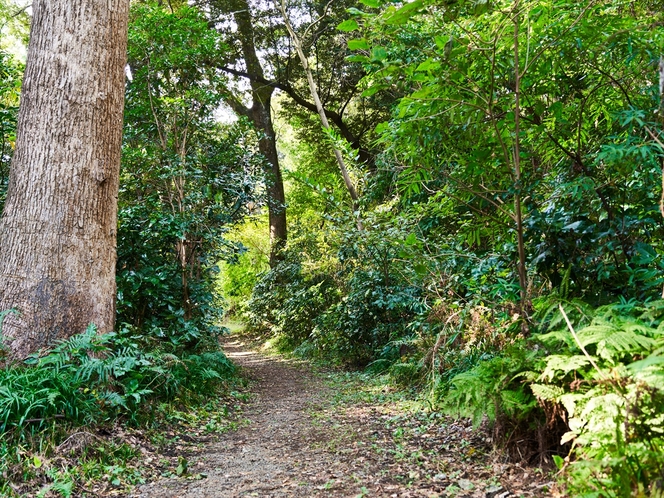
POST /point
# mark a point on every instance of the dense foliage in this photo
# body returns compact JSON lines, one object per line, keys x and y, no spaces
{"x":185,"y":178}
{"x":505,"y":256}
{"x":520,"y":168}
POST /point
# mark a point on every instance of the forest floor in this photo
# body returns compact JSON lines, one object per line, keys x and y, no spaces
{"x":309,"y":433}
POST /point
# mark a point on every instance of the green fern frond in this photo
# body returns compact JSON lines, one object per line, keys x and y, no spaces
{"x":622,"y":341}
{"x":113,"y":399}
{"x":547,"y":392}
{"x":595,"y":333}
{"x":563,"y":364}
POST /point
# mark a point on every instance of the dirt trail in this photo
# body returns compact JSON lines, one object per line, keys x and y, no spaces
{"x":298,"y":444}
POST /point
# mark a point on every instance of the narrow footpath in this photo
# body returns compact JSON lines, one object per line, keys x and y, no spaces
{"x":301,"y":441}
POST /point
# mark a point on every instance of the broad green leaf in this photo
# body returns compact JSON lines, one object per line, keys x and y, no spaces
{"x":378,"y":53}
{"x":402,"y":15}
{"x":348,"y":25}
{"x":373,"y":89}
{"x":358,"y":58}
{"x":358,"y":44}
{"x":428,"y":65}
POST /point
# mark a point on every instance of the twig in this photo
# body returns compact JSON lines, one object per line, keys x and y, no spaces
{"x":33,"y":420}
{"x":76,"y":434}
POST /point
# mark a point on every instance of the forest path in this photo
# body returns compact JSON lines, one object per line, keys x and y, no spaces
{"x":302,"y":441}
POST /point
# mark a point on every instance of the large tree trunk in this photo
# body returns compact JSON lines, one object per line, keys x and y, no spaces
{"x":58,"y":228}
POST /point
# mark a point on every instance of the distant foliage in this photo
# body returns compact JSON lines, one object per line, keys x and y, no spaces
{"x":10,"y":82}
{"x":347,"y":308}
{"x":185,"y":178}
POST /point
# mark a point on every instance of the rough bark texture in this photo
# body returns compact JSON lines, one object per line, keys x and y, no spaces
{"x":58,"y":228}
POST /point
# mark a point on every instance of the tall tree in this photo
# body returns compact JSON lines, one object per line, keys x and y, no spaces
{"x":58,"y":228}
{"x":184,"y":179}
{"x":260,"y":114}
{"x":265,"y":60}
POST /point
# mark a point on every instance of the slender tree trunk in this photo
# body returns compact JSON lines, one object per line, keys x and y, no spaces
{"x":518,"y":213}
{"x":58,"y":228}
{"x":267,"y":146}
{"x":321,"y":112}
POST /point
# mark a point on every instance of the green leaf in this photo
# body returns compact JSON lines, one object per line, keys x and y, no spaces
{"x":420,"y":269}
{"x":358,"y":58}
{"x":373,"y":89}
{"x":358,"y":44}
{"x":428,"y":65}
{"x":371,"y":3}
{"x":411,"y":239}
{"x":182,"y":466}
{"x":378,"y":53}
{"x":402,"y":15}
{"x":546,"y":392}
{"x":381,"y":127}
{"x":348,"y":25}
{"x":558,"y":460}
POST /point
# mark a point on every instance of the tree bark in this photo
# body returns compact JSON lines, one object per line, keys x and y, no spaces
{"x":260,"y":115}
{"x":267,"y":145}
{"x":58,"y":228}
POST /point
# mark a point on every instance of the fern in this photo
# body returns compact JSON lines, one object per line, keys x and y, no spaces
{"x":612,"y":393}
{"x":547,"y":392}
{"x":92,"y":376}
{"x":493,"y":388}
{"x":563,"y":364}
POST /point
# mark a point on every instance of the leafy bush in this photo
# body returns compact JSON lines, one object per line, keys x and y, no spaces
{"x":287,"y":301}
{"x":599,"y":390}
{"x":94,"y":377}
{"x":185,"y":178}
{"x":348,"y":297}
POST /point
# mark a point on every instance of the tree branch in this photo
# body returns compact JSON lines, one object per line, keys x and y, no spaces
{"x":333,"y":116}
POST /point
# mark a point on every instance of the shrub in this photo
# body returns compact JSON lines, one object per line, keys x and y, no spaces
{"x":94,"y":377}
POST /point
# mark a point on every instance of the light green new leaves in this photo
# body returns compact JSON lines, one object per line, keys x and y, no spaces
{"x":348,"y":25}
{"x":402,"y":15}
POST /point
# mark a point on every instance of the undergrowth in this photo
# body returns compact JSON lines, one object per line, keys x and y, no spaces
{"x":79,"y":415}
{"x":589,"y":393}
{"x":584,"y":397}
